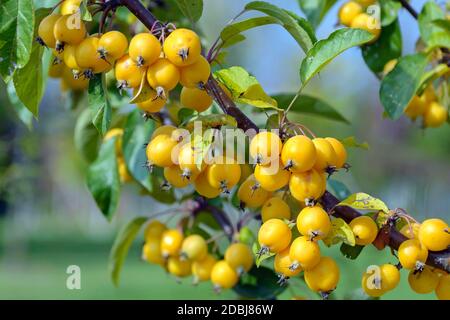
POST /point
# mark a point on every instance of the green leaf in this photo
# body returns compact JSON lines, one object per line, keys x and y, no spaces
{"x":246,"y":236}
{"x":86,"y":136}
{"x":137,"y":133}
{"x":431,"y":33}
{"x":232,"y":41}
{"x":326,"y":50}
{"x":16,"y":35}
{"x":85,"y":14}
{"x":192,"y":9}
{"x":309,"y":105}
{"x":103,"y":179}
{"x":259,"y":283}
{"x":340,"y":190}
{"x":231,"y":33}
{"x":400,"y":85}
{"x":442,"y":23}
{"x":363,"y":201}
{"x":30,"y":80}
{"x":273,"y":122}
{"x":352,"y":143}
{"x":386,"y":48}
{"x":340,"y":232}
{"x":185,"y":115}
{"x":298,"y":27}
{"x":315,"y":10}
{"x":351,"y":252}
{"x":389,"y":11}
{"x":428,"y":78}
{"x":21,"y":110}
{"x":98,"y":103}
{"x":260,"y":258}
{"x":245,"y":88}
{"x":121,"y":246}
{"x":212,"y":121}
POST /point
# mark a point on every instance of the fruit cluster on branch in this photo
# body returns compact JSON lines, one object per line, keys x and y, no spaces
{"x":389,"y":235}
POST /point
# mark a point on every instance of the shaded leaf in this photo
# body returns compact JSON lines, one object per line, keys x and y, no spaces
{"x":98,"y":103}
{"x":309,"y":105}
{"x":339,"y":189}
{"x":400,"y":85}
{"x":192,"y":9}
{"x":315,"y":10}
{"x":326,"y":50}
{"x":103,"y":179}
{"x":273,"y":122}
{"x":121,"y":246}
{"x":21,"y":110}
{"x":389,"y":11}
{"x":351,"y":252}
{"x":86,"y":136}
{"x":386,"y":48}
{"x":259,"y":283}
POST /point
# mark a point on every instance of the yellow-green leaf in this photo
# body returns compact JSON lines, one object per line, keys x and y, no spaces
{"x":260,"y":257}
{"x":363,"y":201}
{"x":340,"y":232}
{"x":144,"y":93}
{"x":245,"y":88}
{"x":351,"y":142}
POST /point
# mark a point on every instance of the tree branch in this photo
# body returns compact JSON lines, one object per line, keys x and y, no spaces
{"x":409,"y":8}
{"x":439,"y":260}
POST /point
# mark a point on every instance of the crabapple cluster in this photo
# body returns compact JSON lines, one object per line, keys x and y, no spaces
{"x":425,"y":107}
{"x":353,"y":14}
{"x":144,"y":64}
{"x":299,"y":164}
{"x":183,"y":256}
{"x":430,"y":235}
{"x":183,"y":164}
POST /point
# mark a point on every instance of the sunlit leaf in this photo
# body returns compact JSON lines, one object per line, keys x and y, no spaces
{"x":363,"y":201}
{"x":326,"y":50}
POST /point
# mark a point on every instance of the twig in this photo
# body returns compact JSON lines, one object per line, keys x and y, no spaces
{"x":409,"y":8}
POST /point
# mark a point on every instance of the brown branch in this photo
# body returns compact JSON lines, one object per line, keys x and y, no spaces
{"x":439,"y":260}
{"x":409,"y":8}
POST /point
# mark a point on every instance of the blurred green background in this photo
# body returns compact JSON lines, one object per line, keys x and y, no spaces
{"x":49,"y":221}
